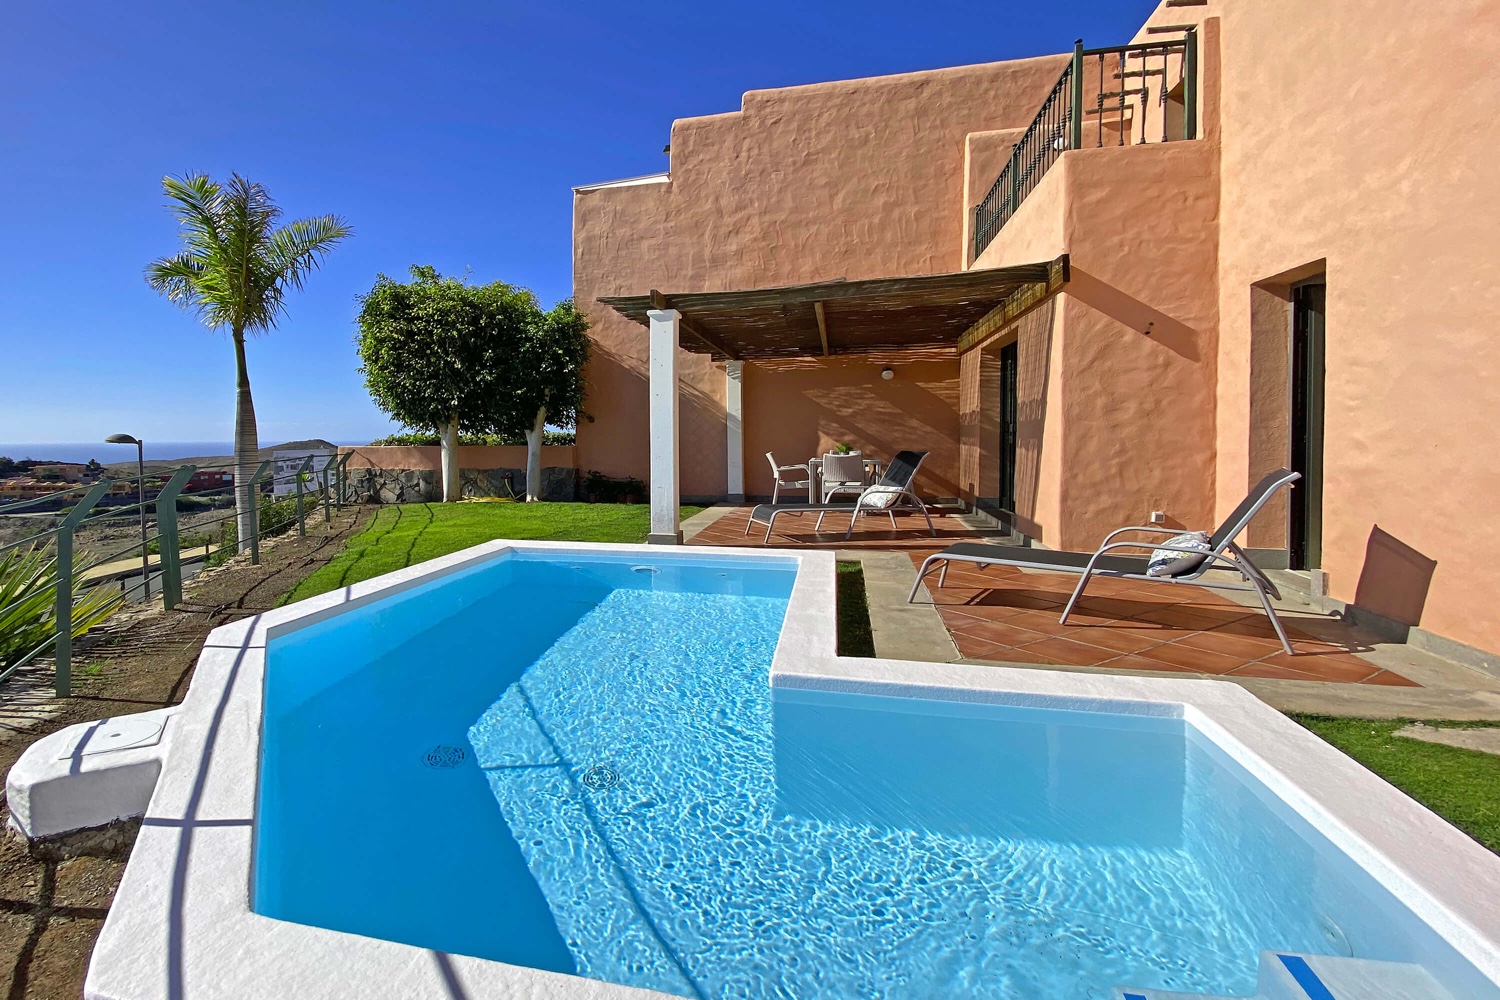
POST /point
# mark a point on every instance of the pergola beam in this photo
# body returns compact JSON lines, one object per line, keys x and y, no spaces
{"x":1021,"y":302}
{"x":660,"y":302}
{"x":822,"y":326}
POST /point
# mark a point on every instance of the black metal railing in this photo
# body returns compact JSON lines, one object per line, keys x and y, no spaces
{"x":1122,"y":83}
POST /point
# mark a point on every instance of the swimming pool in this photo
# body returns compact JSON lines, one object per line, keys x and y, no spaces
{"x":574,"y":762}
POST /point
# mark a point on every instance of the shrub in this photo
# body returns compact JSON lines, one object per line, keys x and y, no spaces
{"x":28,"y":603}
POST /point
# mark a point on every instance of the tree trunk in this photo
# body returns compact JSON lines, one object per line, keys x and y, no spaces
{"x":534,"y":439}
{"x":246,"y":445}
{"x":452,"y":488}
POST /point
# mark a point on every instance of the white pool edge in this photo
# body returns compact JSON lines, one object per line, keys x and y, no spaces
{"x":193,"y":859}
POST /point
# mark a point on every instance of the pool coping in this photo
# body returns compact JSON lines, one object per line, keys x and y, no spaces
{"x":192,"y":861}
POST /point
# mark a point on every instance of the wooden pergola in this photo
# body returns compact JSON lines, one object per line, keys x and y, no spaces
{"x":960,"y":311}
{"x":850,"y":317}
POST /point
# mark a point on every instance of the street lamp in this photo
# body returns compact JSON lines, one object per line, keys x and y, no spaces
{"x":140,"y":493}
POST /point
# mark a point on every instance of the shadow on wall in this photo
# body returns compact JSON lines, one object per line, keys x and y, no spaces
{"x":1394,"y":580}
{"x":617,"y":442}
{"x":1172,"y":334}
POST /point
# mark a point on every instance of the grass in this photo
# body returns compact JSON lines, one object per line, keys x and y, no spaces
{"x":855,"y":636}
{"x":398,"y":536}
{"x":1462,"y":786}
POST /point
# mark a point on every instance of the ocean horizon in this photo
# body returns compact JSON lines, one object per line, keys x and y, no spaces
{"x":164,"y":451}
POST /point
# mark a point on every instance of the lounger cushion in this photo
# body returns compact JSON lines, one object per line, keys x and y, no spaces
{"x":1169,"y":562}
{"x":880,"y":497}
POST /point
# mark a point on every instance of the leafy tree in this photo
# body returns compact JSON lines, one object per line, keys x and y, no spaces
{"x":234,"y":270}
{"x":551,"y":386}
{"x":442,"y":355}
{"x":478,"y":361}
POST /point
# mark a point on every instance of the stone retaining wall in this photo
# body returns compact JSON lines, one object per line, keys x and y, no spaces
{"x":425,"y":485}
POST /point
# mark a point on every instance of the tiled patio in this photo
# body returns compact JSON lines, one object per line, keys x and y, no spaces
{"x":1009,"y":615}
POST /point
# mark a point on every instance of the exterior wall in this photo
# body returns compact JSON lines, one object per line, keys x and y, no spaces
{"x":855,"y":179}
{"x":1331,"y":152}
{"x":1124,"y":401}
{"x":430,"y":457}
{"x":802,"y":409}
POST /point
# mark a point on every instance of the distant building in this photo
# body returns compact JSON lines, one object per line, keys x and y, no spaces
{"x":211,"y":479}
{"x":67,"y":472}
{"x":26,"y":488}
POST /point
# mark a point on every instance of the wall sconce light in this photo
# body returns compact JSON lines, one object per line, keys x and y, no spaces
{"x":887,"y":374}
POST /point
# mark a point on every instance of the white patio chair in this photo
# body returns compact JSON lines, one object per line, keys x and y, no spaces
{"x":786,"y":475}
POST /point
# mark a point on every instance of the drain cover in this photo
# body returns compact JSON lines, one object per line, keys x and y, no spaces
{"x":645,"y":569}
{"x":601,"y":776}
{"x":443,"y":755}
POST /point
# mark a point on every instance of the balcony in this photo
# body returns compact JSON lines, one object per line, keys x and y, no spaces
{"x":1116,"y":96}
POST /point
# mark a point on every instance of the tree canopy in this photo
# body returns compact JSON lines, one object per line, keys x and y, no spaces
{"x":437,"y":348}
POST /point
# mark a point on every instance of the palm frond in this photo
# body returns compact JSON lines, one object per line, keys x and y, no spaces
{"x":235,"y":265}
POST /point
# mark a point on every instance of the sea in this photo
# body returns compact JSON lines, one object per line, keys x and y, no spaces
{"x":156,"y":451}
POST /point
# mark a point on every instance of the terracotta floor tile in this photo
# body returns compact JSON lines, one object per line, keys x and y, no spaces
{"x":1314,"y":671}
{"x":1067,"y":651}
{"x":1192,"y":619}
{"x":1136,"y":662}
{"x":1245,"y":647}
{"x":1121,"y":640}
{"x":999,"y":632}
{"x":1333,"y":659}
{"x":1002,"y":653}
{"x":1389,"y":679}
{"x":1200,"y":660}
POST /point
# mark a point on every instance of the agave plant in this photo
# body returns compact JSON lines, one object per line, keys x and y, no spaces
{"x":28,"y":603}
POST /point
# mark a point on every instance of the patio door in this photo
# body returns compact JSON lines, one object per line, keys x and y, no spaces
{"x":1009,"y":358}
{"x":1308,"y":352}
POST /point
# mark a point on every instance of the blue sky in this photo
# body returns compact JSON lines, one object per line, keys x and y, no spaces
{"x":446,"y":133}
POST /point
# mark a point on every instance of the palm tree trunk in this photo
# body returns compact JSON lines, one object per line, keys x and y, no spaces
{"x":534,"y":439}
{"x":452,"y":489}
{"x":246,"y":445}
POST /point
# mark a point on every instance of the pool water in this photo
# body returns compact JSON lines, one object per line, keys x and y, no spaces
{"x":578,"y":765}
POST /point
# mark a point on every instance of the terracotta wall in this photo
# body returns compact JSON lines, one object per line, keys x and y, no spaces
{"x":1117,"y":376}
{"x":1367,"y":137}
{"x":802,"y":409}
{"x":855,"y":179}
{"x":430,"y":458}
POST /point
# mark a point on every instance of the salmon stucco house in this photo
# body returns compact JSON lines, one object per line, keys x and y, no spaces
{"x":1096,"y":286}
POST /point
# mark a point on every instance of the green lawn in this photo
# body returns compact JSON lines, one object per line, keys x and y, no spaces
{"x":855,"y":637}
{"x":399,"y":536}
{"x":1462,"y":786}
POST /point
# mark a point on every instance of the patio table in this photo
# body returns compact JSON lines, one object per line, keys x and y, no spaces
{"x":872,"y":471}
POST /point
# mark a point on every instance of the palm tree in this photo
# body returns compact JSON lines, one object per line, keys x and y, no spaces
{"x":233,"y":270}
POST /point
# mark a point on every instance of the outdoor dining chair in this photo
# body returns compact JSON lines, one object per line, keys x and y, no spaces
{"x":843,"y":473}
{"x":787,"y":475}
{"x":893,"y":492}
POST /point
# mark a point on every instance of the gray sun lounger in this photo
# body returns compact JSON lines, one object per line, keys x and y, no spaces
{"x":896,"y":483}
{"x":1107,"y":560}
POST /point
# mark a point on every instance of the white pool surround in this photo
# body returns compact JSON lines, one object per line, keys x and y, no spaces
{"x":181,"y":925}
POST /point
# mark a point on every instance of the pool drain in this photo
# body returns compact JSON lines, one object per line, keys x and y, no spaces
{"x":444,"y":755}
{"x":644,"y":569}
{"x":600,"y":777}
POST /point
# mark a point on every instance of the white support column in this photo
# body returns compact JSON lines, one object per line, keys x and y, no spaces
{"x":734,"y":420}
{"x":666,"y":499}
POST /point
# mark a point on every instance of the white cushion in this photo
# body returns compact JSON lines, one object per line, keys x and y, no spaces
{"x":1165,"y":562}
{"x":880,"y":497}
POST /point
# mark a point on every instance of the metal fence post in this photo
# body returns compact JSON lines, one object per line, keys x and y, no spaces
{"x":62,"y":618}
{"x":327,"y":500}
{"x":1075,"y":98}
{"x":167,"y":541}
{"x":260,"y":474}
{"x":1189,"y":84}
{"x":342,"y":478}
{"x":302,"y":470}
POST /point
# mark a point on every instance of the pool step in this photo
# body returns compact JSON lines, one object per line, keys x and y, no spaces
{"x":1289,"y":976}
